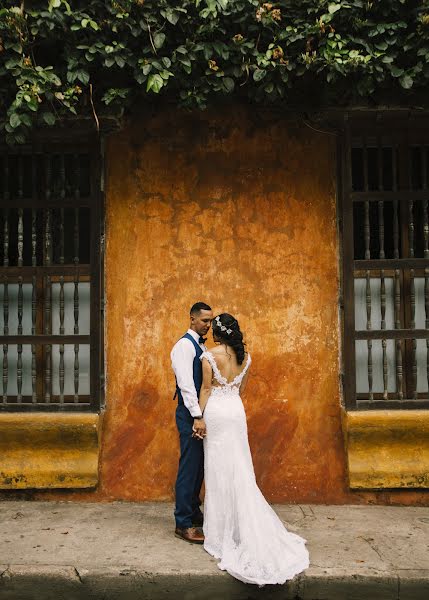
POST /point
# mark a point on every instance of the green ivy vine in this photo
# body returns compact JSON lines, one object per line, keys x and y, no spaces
{"x":59,"y":57}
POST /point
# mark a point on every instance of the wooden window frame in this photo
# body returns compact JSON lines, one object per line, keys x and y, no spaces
{"x":404,"y":132}
{"x":66,"y":142}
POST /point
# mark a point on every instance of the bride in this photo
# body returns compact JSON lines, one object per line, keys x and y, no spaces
{"x":240,"y":527}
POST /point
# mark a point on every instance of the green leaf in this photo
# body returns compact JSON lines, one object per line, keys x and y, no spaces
{"x":154,"y":83}
{"x":172,"y":17}
{"x":32,"y":105}
{"x":26,"y":119}
{"x":332,"y":8}
{"x":381,"y":46}
{"x":49,"y":118}
{"x":396,"y":71}
{"x":83,"y":76}
{"x":229,"y":84}
{"x":158,"y":39}
{"x":406,"y":82}
{"x":14,"y":120}
{"x":54,"y":4}
{"x":259,"y":74}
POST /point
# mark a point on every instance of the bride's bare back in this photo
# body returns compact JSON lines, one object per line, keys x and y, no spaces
{"x":227,"y":364}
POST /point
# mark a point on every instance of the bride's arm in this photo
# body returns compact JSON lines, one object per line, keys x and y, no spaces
{"x":206,"y":386}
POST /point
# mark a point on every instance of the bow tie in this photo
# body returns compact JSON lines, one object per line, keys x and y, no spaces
{"x":202,"y":340}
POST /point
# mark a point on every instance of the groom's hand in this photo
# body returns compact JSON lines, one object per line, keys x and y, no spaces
{"x":199,"y":428}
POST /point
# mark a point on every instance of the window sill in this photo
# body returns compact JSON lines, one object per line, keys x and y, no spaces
{"x":49,"y":450}
{"x":387,"y":448}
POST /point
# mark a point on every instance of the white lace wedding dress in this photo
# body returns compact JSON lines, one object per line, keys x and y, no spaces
{"x":240,"y":527}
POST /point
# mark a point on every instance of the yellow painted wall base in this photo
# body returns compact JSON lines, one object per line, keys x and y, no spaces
{"x":51,"y":450}
{"x":387,"y":449}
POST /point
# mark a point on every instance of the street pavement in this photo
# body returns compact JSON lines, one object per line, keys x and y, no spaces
{"x":124,"y":551}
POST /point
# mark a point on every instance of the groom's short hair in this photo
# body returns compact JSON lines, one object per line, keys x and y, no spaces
{"x":198,"y":307}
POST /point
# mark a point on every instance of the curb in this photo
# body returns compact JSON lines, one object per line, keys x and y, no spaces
{"x":65,"y":582}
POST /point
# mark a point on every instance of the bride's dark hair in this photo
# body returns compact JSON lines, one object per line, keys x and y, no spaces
{"x":224,"y":323}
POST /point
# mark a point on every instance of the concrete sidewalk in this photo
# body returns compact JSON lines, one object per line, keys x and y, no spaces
{"x":74,"y":551}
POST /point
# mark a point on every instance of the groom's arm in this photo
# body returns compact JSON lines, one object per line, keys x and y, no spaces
{"x":206,"y":386}
{"x":182,"y":358}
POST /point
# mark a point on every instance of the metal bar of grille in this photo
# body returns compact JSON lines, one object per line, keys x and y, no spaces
{"x":84,"y":405}
{"x":76,"y":281}
{"x":365,"y":404}
{"x":382,"y":256}
{"x":392,"y":334}
{"x":398,"y":345}
{"x":365,"y":165}
{"x":41,"y":202}
{"x":381,"y":228}
{"x":47,"y":282}
{"x":424,"y":157}
{"x":375,"y":196}
{"x":383,"y":301}
{"x":5,"y":346}
{"x":5,"y":375}
{"x":20,"y":292}
{"x":47,"y":330}
{"x":414,"y":341}
{"x":368,"y":326}
{"x":383,"y":326}
{"x":385,"y":370}
{"x":366,"y":232}
{"x":61,"y":307}
{"x":411,"y":227}
{"x":395,"y":205}
{"x":33,"y":285}
{"x":46,"y":339}
{"x":367,"y":227}
{"x":33,"y":333}
{"x":53,"y":270}
{"x":401,"y":263}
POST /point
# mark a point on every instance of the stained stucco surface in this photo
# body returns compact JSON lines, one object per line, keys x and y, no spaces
{"x":236,"y":209}
{"x":239,"y":213}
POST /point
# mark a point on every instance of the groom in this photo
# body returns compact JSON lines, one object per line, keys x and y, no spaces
{"x":185,"y":359}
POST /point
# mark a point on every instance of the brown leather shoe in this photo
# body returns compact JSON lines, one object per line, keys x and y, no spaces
{"x":191,"y":534}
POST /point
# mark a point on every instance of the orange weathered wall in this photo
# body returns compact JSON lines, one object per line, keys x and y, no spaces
{"x":237,"y":209}
{"x":238,"y":212}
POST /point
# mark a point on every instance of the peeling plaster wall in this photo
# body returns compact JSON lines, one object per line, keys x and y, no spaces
{"x":236,"y":209}
{"x":240,"y":213}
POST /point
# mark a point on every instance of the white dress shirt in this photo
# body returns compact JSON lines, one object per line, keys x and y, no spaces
{"x":182,"y":360}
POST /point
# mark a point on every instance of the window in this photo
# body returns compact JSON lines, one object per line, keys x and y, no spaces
{"x":51,"y":343}
{"x":385,"y":266}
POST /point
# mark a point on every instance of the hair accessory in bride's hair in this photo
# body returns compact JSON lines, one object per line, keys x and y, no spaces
{"x":222,"y":327}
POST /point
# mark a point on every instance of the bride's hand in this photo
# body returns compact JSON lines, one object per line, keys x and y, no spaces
{"x":199,"y":429}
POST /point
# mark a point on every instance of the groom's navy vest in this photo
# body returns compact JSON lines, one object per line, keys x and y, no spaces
{"x":197,"y":369}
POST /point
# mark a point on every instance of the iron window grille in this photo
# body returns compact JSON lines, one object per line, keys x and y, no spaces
{"x":385,"y":263}
{"x":51,"y":233}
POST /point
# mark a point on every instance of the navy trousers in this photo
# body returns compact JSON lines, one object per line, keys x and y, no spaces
{"x":191,"y":471}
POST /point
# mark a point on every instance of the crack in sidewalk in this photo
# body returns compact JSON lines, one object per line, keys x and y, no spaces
{"x":78,"y":574}
{"x":373,"y":547}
